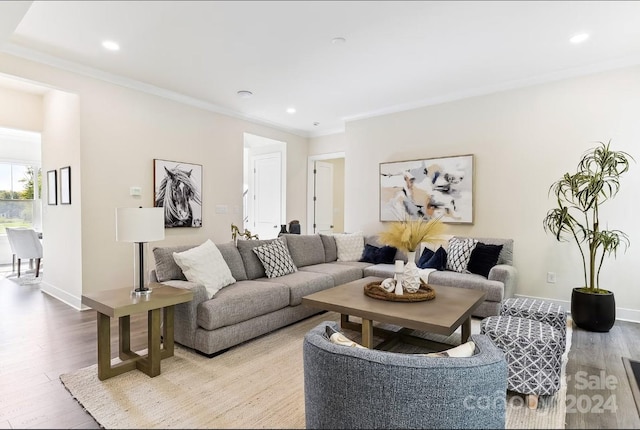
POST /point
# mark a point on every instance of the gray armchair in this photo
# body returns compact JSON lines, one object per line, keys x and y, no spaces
{"x":364,"y":388}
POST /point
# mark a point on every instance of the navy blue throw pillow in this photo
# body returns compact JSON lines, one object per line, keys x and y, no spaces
{"x":374,"y":255}
{"x":386,"y":255}
{"x":483,"y":258}
{"x":426,"y":256}
{"x":437,"y":261}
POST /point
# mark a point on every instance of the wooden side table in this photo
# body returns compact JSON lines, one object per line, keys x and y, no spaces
{"x":121,"y":304}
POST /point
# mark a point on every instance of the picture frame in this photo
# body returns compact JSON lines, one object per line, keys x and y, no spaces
{"x":178,"y":188}
{"x":65,"y":185}
{"x":428,"y":188}
{"x":52,"y":187}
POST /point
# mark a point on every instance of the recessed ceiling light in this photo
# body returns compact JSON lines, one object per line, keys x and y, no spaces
{"x":579,"y":38}
{"x":338,"y":40}
{"x":316,"y":123}
{"x":245,"y":94}
{"x":110,"y":45}
{"x":291,"y":110}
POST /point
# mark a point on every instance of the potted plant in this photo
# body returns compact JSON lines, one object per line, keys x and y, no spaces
{"x":577,"y":218}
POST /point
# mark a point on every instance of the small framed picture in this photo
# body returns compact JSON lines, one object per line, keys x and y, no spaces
{"x":65,"y":185}
{"x":52,"y":187}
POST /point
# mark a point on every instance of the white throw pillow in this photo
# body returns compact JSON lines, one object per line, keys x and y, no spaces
{"x":205,"y":265}
{"x":350,"y":246}
{"x":465,"y":350}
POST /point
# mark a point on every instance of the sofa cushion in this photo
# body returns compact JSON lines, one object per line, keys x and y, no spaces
{"x":341,"y":273}
{"x":330,"y":248}
{"x":232,"y":256}
{"x":380,"y":270}
{"x":483,"y":258}
{"x":275,"y":258}
{"x":242,"y":301}
{"x":166,"y":267}
{"x":252,"y":264}
{"x":205,"y":265}
{"x":303,"y":283}
{"x":458,"y":253}
{"x":305,"y":249}
{"x":494,"y":289}
{"x":350,"y":246}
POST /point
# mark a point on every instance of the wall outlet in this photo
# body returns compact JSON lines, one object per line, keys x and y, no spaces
{"x":551,"y":277}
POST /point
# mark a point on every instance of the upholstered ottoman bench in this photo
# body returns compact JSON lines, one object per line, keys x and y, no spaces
{"x":537,"y":310}
{"x":533,"y":351}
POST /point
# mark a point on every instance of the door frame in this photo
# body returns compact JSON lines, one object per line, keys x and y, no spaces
{"x":259,"y":145}
{"x":310,"y":183}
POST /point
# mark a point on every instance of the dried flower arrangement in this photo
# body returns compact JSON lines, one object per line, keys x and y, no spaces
{"x":406,"y":235}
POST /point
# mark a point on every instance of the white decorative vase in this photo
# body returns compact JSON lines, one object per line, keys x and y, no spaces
{"x":411,"y":276}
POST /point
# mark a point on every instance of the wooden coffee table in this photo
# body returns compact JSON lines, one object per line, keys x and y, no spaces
{"x":121,"y":304}
{"x":451,"y":308}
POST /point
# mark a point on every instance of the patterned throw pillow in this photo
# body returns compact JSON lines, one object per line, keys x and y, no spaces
{"x":350,"y":246}
{"x":459,"y":253}
{"x":205,"y":265}
{"x":275,"y":258}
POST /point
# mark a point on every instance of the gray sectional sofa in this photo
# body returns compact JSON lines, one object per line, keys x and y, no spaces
{"x":255,"y":305}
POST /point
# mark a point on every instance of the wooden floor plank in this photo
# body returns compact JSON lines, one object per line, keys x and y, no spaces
{"x":41,"y":337}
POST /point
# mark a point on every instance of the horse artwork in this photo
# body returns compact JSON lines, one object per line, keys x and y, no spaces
{"x":177,"y":190}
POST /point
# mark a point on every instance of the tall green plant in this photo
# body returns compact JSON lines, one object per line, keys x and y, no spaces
{"x":577,"y":217}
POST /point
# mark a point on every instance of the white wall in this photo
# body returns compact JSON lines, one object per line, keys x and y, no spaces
{"x":121,"y":132}
{"x":522,"y":140}
{"x":62,"y":235}
{"x":20,"y":110}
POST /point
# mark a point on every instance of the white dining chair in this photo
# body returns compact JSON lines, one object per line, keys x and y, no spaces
{"x":25,"y":244}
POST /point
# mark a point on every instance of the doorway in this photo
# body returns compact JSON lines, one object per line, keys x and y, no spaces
{"x":264,"y":189}
{"x":20,"y":184}
{"x":325,"y":207}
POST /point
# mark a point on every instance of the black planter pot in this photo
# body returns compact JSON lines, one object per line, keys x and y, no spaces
{"x":593,"y":312}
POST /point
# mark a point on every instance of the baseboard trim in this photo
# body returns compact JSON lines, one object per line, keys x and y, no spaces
{"x":63,"y":296}
{"x":622,"y":314}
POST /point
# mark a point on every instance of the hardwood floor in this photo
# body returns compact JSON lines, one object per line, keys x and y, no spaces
{"x":41,"y":338}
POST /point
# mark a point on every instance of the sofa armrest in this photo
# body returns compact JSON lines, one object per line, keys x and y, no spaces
{"x":186,"y":314}
{"x":507,"y":275}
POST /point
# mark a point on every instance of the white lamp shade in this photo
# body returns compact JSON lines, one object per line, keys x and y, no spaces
{"x":139,"y":224}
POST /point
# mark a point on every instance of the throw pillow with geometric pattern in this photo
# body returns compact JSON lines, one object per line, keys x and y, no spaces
{"x":458,"y":253}
{"x":275,"y":258}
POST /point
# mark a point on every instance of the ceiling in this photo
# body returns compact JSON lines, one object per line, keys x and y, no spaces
{"x":396,"y":55}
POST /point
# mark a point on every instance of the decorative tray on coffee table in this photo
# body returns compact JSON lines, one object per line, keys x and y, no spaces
{"x":425,"y":292}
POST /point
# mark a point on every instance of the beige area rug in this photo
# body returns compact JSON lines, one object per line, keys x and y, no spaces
{"x":258,"y":384}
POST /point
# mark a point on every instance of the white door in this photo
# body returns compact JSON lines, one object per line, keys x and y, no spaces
{"x":323,"y":197}
{"x":267,"y":195}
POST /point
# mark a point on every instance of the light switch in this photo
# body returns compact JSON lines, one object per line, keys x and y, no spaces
{"x":135,"y":191}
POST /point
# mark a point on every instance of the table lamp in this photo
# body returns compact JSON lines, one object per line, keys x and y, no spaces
{"x":140,"y":226}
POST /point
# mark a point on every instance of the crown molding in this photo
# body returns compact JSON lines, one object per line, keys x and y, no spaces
{"x":70,"y":66}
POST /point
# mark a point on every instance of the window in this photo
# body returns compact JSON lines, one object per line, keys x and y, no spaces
{"x":20,"y":200}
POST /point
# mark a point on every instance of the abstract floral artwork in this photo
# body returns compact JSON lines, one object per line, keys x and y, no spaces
{"x":428,"y":188}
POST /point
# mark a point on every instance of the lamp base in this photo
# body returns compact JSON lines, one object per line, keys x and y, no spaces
{"x":141,"y":291}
